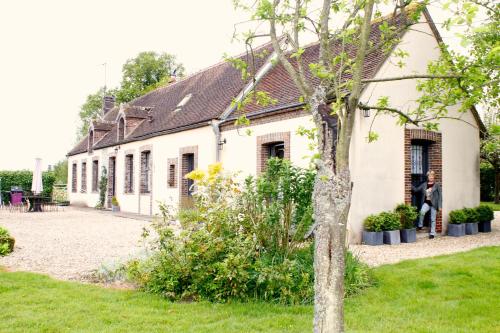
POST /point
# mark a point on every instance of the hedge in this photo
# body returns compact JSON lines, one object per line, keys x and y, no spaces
{"x":487,"y":180}
{"x":23,"y":179}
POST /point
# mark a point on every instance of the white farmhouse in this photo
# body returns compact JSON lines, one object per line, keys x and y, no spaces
{"x":149,"y":144}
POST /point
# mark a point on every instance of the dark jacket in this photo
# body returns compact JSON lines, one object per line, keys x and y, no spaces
{"x":436,"y":198}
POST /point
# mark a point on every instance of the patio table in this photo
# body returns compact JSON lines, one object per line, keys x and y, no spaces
{"x":36,"y":202}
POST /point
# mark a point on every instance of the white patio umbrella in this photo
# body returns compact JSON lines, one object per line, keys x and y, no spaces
{"x":37,"y":184}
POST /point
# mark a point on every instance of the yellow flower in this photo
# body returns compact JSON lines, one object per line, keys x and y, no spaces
{"x":196,"y":175}
{"x":214,"y":169}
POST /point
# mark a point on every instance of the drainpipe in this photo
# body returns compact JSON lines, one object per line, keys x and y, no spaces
{"x":216,"y":129}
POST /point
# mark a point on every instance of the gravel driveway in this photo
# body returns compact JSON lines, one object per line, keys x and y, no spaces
{"x":72,"y":243}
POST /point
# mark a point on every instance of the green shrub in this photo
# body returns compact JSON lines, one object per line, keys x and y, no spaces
{"x":485,"y":213}
{"x":471,"y":215}
{"x":487,"y":181}
{"x":103,"y":188}
{"x":6,"y":242}
{"x":358,"y":275}
{"x":458,"y":216}
{"x":390,"y":221}
{"x":407,"y":215}
{"x":373,"y":223}
{"x":240,"y":243}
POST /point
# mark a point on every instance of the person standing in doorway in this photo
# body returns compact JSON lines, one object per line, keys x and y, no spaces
{"x":433,"y":201}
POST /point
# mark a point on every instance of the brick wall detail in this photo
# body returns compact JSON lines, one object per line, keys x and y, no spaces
{"x":264,"y":140}
{"x":184,"y":186}
{"x":73,"y":177}
{"x":268,"y":118}
{"x":83,"y":187}
{"x":111,"y":178}
{"x":129,"y":174}
{"x":95,"y":175}
{"x":172,"y":172}
{"x":435,"y":162}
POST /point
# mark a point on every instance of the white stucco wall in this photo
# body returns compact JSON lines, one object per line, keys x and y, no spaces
{"x":163,"y":147}
{"x":461,"y":185}
{"x":240,"y":151}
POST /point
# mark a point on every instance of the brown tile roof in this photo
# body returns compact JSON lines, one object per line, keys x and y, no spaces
{"x":136,"y":112}
{"x":280,"y":87}
{"x":212,"y":89}
{"x":102,"y":125}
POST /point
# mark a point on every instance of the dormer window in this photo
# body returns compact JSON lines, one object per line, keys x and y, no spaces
{"x":121,"y":129}
{"x":91,"y":141}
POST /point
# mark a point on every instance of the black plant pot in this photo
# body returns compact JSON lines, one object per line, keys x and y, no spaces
{"x":484,"y":226}
{"x":456,"y":230}
{"x":471,"y":228}
{"x":373,"y":237}
{"x":408,"y":235}
{"x":392,"y":237}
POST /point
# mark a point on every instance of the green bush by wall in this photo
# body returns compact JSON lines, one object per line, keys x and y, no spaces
{"x":487,"y":180}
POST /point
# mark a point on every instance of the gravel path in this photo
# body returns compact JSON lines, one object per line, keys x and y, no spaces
{"x":424,"y":247}
{"x":70,"y":244}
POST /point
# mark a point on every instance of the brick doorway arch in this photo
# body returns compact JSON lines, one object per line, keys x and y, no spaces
{"x":435,"y":162}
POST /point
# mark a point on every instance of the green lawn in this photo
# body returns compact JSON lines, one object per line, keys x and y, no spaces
{"x":493,"y":205}
{"x":456,"y":293}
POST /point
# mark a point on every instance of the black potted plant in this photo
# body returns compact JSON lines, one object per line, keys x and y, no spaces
{"x":485,"y":216}
{"x":456,"y":226}
{"x":407,"y":216}
{"x":471,"y":221}
{"x":373,"y":234}
{"x":391,"y":226}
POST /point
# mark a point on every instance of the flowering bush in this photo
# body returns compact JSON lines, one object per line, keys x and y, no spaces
{"x":239,"y":241}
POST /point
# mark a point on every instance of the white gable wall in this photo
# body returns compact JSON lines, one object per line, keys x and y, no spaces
{"x":378,"y":167}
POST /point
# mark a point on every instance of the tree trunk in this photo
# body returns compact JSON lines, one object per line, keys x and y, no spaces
{"x":331,"y":202}
{"x":332,"y":195}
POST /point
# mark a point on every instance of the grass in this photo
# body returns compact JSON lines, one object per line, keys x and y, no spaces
{"x":455,"y":293}
{"x":493,"y":205}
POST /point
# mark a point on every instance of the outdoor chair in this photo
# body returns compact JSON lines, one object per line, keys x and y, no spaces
{"x":16,"y":201}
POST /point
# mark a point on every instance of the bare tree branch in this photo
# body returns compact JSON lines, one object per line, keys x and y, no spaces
{"x":392,"y":110}
{"x":411,"y":77}
{"x":300,"y":82}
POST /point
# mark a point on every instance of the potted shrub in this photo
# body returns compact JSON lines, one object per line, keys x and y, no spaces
{"x":391,"y":225}
{"x":6,"y":242}
{"x":373,"y":234}
{"x":407,"y":216}
{"x":456,"y":226}
{"x":485,"y":216}
{"x":472,"y":218}
{"x":115,"y":205}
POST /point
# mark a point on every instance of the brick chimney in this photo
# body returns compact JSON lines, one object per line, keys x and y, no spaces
{"x":109,"y":103}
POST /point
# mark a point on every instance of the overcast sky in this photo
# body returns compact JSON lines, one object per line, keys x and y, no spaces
{"x":51,"y":53}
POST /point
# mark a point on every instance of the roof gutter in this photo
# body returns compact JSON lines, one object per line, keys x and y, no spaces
{"x":215,"y":127}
